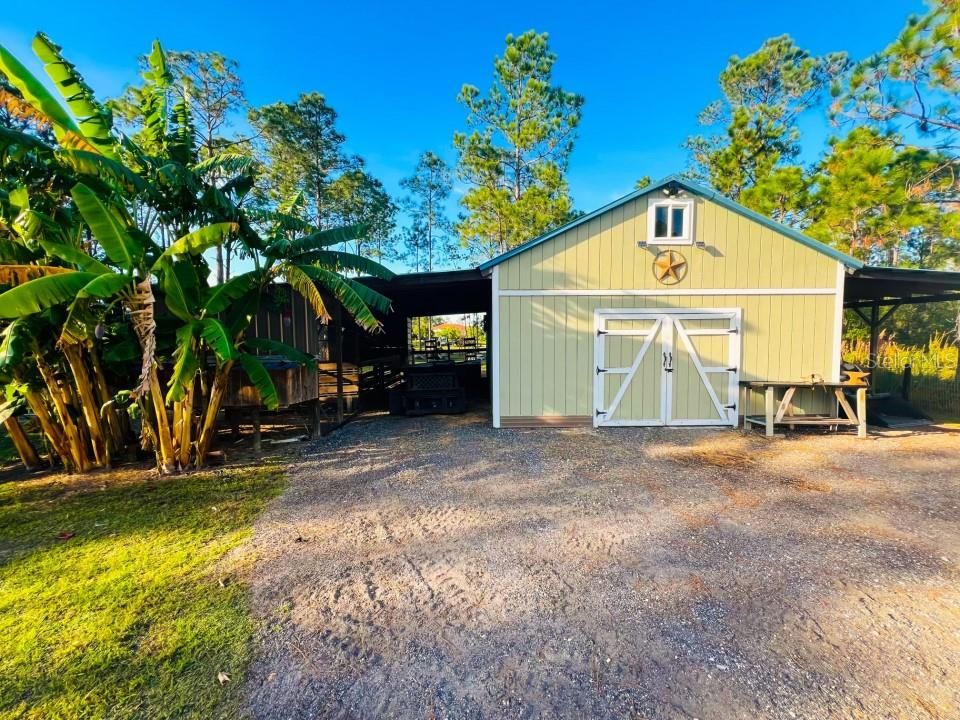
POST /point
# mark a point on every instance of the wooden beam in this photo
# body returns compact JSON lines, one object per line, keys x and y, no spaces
{"x":908,"y":300}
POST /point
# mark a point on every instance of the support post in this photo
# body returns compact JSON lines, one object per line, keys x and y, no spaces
{"x":874,"y":334}
{"x":862,"y":412}
{"x":907,"y":380}
{"x":316,"y":429}
{"x":338,"y":351}
{"x":255,"y":417}
{"x":769,"y":404}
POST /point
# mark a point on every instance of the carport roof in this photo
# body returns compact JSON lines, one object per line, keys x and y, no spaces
{"x":870,"y":285}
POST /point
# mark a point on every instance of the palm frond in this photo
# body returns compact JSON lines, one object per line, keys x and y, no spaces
{"x":339,"y":261}
{"x":355,"y":298}
{"x":304,"y":284}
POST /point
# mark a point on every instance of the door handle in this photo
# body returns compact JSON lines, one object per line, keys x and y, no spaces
{"x":668,"y":362}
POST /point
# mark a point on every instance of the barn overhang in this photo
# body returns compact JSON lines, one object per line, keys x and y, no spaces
{"x":875,"y":293}
{"x":447,"y":292}
{"x":888,"y":287}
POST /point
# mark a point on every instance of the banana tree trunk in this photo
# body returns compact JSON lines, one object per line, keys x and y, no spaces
{"x":89,"y":405}
{"x":60,"y":397}
{"x":28,"y":454}
{"x":38,"y":406}
{"x":144,"y":325}
{"x":116,"y":433}
{"x":165,"y":454}
{"x":183,"y":426}
{"x":209,"y":429}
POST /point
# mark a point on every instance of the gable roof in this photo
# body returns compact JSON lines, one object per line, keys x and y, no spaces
{"x":695,"y":189}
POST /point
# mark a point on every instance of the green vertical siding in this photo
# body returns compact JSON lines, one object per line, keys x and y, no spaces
{"x":546,"y":341}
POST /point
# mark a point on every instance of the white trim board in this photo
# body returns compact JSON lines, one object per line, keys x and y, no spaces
{"x":658,"y":292}
{"x":495,"y":347}
{"x":838,"y":321}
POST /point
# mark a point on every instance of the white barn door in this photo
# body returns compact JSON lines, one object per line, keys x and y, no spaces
{"x":666,"y":367}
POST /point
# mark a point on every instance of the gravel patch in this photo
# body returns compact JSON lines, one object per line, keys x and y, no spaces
{"x":438,"y":568}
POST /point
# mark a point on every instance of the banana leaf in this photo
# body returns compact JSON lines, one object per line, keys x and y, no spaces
{"x":75,"y":256}
{"x":261,"y":380}
{"x":197,"y":241}
{"x":95,"y":121}
{"x":104,"y":168}
{"x":274,"y":347}
{"x":185,"y":364}
{"x":105,"y":286}
{"x":215,"y":334}
{"x":107,"y":228}
{"x":42,"y":293}
{"x":36,"y":94}
{"x":223,"y":295}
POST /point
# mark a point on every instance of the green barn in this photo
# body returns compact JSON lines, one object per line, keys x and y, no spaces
{"x":657,"y":309}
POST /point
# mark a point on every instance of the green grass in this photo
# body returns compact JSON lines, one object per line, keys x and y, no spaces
{"x":136,"y":614}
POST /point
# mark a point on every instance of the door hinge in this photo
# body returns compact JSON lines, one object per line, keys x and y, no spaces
{"x":601,"y":370}
{"x":731,"y":369}
{"x":601,"y":412}
{"x":601,"y":332}
{"x":730,"y":407}
{"x":733,"y":331}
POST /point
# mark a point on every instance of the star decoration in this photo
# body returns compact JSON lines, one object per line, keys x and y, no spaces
{"x":670,"y":267}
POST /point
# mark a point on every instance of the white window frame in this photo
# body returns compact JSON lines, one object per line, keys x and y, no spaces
{"x":687,"y":236}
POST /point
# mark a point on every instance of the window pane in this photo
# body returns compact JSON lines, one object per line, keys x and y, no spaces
{"x":660,"y":221}
{"x":676,"y":225}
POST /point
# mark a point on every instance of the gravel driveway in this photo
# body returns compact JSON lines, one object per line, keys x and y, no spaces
{"x":438,"y":568}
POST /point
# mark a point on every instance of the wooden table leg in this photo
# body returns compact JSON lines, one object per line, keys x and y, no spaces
{"x":862,"y":412}
{"x":768,"y":409}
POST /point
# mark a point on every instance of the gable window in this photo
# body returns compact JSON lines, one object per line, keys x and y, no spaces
{"x":670,"y":222}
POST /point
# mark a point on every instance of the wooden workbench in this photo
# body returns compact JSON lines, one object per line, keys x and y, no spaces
{"x":782,"y":413}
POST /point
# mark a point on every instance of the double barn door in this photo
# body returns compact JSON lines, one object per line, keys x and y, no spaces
{"x":667,"y":367}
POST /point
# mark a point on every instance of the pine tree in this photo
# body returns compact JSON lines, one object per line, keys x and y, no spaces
{"x":516,"y":152}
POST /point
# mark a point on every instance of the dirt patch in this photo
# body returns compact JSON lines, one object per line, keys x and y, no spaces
{"x":437,"y":568}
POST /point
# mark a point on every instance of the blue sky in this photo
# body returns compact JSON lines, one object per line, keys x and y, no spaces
{"x":393,"y":70}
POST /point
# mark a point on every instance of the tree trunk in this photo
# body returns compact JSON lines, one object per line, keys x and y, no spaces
{"x":116,"y":432}
{"x":165,"y":454}
{"x":183,"y":426}
{"x":28,"y":454}
{"x":89,"y":406}
{"x":74,"y":440}
{"x":58,"y":442}
{"x":219,"y":264}
{"x":209,"y":429}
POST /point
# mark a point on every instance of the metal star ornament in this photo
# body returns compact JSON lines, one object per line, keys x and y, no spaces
{"x":669,"y":267}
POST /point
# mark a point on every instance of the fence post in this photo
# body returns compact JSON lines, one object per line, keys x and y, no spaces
{"x":905,"y":385}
